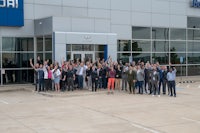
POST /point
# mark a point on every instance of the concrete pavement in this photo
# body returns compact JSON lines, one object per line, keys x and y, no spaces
{"x":88,"y":112}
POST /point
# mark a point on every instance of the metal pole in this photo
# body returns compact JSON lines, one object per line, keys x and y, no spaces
{"x":181,"y":72}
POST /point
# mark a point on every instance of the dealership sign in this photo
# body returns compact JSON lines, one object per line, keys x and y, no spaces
{"x":196,"y":3}
{"x":12,"y":13}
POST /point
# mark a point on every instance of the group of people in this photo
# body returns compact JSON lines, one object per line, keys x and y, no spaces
{"x":132,"y":77}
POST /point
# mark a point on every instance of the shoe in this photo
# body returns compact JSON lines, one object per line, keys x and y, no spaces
{"x":112,"y":92}
{"x":108,"y":93}
{"x":153,"y":95}
{"x":158,"y":95}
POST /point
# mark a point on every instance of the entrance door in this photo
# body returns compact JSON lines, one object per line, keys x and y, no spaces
{"x":83,"y":56}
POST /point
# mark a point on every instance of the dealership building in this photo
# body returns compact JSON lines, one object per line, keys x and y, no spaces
{"x":147,"y":30}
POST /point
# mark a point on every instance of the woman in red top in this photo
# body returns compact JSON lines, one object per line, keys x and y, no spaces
{"x":111,"y":79}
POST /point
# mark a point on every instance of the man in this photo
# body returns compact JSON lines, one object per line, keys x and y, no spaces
{"x":131,"y":77}
{"x":155,"y":80}
{"x":70,"y":78}
{"x":80,"y":72}
{"x":124,"y":77}
{"x":140,"y":78}
{"x":171,"y":76}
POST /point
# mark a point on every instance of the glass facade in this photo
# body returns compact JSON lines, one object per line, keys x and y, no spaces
{"x":165,"y":45}
{"x":15,"y":53}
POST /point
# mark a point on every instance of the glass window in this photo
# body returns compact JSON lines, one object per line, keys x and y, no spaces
{"x":193,"y":22}
{"x":141,"y":46}
{"x":193,"y":70}
{"x":68,"y":47}
{"x":193,"y":46}
{"x":124,"y":45}
{"x":40,"y":44}
{"x":82,"y":47}
{"x":178,"y":70}
{"x":68,"y":56}
{"x":48,"y":43}
{"x":162,"y":58}
{"x":178,"y":34}
{"x":193,"y":34}
{"x":160,"y":33}
{"x":160,"y":46}
{"x":141,"y":32}
{"x":124,"y":57}
{"x":141,"y":57}
{"x":193,"y":58}
{"x":40,"y":55}
{"x":175,"y":58}
{"x":8,"y":44}
{"x":48,"y":56}
{"x":99,"y":47}
{"x":177,"y":46}
{"x":16,"y":60}
{"x":99,"y":55}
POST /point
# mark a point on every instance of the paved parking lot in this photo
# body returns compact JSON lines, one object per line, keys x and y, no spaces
{"x":30,"y":112}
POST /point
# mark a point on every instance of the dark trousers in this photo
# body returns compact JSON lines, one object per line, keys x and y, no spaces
{"x":131,"y":86}
{"x":48,"y":84}
{"x":80,"y":81}
{"x":172,"y":86}
{"x":94,"y":84}
{"x":70,"y":83}
{"x":146,"y":82}
{"x":105,"y":82}
{"x":140,"y":85}
{"x":163,"y":83}
{"x":41,"y":84}
{"x":100,"y":82}
{"x":36,"y":85}
{"x":154,"y":87}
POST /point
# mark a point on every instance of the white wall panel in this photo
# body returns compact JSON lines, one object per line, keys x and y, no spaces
{"x":122,"y":31}
{"x":60,"y":52}
{"x":49,"y":2}
{"x":178,"y":8}
{"x":75,"y":3}
{"x":193,"y":12}
{"x":60,"y":38}
{"x":99,"y":13}
{"x":28,"y":11}
{"x":141,"y":19}
{"x":61,"y":24}
{"x":160,"y":20}
{"x":160,"y":6}
{"x":121,"y":4}
{"x":42,"y":11}
{"x":29,"y":1}
{"x":120,"y":17}
{"x":82,"y":25}
{"x":102,"y":4}
{"x":178,"y":21}
{"x":74,"y":11}
{"x":140,"y":5}
{"x":102,"y":26}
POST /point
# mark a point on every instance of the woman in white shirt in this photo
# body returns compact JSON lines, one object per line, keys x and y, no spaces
{"x":56,"y":74}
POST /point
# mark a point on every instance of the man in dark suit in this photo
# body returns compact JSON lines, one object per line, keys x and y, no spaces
{"x":131,"y":77}
{"x":155,"y":81}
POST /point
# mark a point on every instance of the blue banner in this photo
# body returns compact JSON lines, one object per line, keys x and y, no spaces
{"x":12,"y":13}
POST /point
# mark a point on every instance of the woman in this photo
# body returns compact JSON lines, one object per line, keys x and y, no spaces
{"x":111,"y":79}
{"x":57,"y":73}
{"x":49,"y":80}
{"x":118,"y":77}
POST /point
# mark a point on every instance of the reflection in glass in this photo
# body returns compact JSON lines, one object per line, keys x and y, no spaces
{"x":193,"y":58}
{"x":178,"y":34}
{"x":141,"y":46}
{"x":193,"y":34}
{"x":68,"y":47}
{"x":18,"y":76}
{"x":193,"y":70}
{"x":40,"y":44}
{"x":177,"y":46}
{"x":99,"y":55}
{"x":124,"y":57}
{"x":48,"y":43}
{"x":17,"y":44}
{"x":16,"y":60}
{"x":193,"y":46}
{"x":48,"y":56}
{"x":68,"y":56}
{"x":162,"y":58}
{"x":99,"y":47}
{"x":178,"y":69}
{"x":141,"y":57}
{"x":124,"y":45}
{"x":160,"y":46}
{"x":160,"y":33}
{"x":193,"y":22}
{"x":175,"y":58}
{"x":141,"y":32}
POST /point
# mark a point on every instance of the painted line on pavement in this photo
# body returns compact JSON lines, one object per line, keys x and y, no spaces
{"x":3,"y":101}
{"x":192,"y":120}
{"x":144,"y":128}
